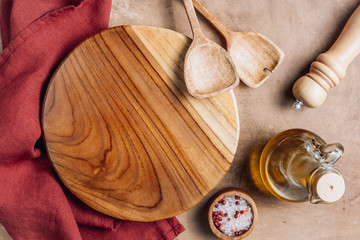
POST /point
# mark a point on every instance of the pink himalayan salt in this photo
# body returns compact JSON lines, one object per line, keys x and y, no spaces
{"x":239,"y":216}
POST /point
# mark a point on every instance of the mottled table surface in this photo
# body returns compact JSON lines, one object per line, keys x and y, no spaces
{"x":302,"y":29}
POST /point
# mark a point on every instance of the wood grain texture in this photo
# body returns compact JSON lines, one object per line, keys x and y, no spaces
{"x":251,"y":52}
{"x":124,"y":135}
{"x":330,"y":67}
{"x":208,"y":68}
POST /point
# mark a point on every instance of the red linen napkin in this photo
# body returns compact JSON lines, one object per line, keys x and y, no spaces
{"x":36,"y":36}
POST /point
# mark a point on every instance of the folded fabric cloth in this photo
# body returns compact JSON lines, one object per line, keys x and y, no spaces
{"x":36,"y":36}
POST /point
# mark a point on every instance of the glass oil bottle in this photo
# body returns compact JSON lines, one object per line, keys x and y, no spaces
{"x":297,"y":165}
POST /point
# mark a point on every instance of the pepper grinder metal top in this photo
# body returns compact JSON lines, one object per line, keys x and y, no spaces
{"x":329,"y":67}
{"x":298,"y":104}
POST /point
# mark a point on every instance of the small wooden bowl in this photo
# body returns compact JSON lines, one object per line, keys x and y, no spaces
{"x":226,"y":193}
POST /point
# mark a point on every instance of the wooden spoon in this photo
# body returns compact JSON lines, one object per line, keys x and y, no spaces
{"x":252,"y":53}
{"x":208,"y":68}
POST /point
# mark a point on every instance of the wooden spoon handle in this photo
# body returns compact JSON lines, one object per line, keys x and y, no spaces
{"x":330,"y":67}
{"x":190,"y":11}
{"x":211,"y":18}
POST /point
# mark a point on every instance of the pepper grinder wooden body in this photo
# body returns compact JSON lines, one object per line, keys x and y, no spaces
{"x":329,"y":67}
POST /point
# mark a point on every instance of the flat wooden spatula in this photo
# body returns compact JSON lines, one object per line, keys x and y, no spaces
{"x":252,"y":53}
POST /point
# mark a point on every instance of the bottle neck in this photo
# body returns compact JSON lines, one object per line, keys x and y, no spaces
{"x":301,"y":165}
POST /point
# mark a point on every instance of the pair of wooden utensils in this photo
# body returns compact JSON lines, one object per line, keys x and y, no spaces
{"x":210,"y":70}
{"x":124,"y":135}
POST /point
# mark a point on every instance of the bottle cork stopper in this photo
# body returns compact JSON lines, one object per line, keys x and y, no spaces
{"x":330,"y":187}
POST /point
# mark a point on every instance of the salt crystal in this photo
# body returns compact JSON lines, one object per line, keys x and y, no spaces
{"x":233,"y":224}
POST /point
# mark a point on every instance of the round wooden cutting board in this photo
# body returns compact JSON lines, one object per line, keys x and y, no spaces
{"x":124,"y":135}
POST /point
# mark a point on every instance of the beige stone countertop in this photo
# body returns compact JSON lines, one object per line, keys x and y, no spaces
{"x":302,"y":29}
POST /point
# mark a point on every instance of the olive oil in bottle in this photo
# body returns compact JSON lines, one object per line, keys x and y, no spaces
{"x":297,"y":165}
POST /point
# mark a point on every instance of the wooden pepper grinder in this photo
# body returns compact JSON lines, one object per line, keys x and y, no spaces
{"x":329,"y":67}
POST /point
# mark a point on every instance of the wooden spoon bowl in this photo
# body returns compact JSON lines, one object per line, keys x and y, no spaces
{"x":208,"y":69}
{"x":253,"y":54}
